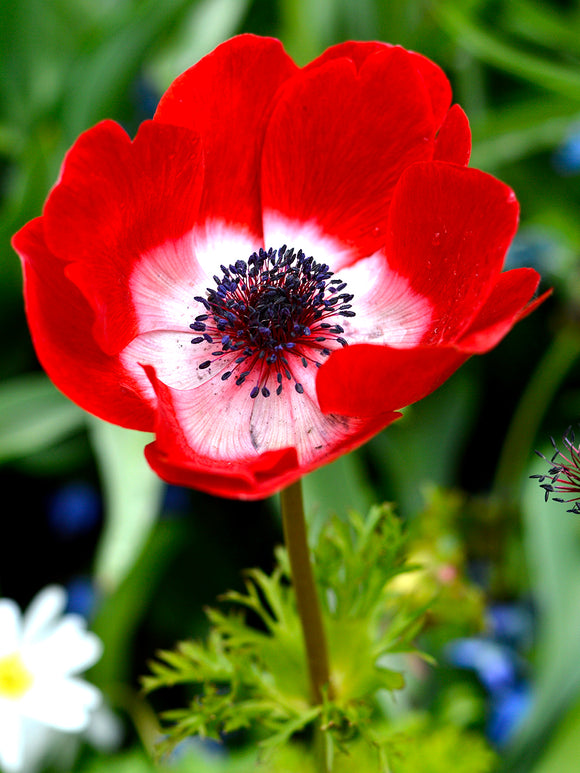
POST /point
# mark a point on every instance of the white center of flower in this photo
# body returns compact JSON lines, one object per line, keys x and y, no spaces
{"x":15,"y":678}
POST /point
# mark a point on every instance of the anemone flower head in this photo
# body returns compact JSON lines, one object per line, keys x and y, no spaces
{"x":41,"y":654}
{"x":563,"y":477}
{"x":276,"y":264}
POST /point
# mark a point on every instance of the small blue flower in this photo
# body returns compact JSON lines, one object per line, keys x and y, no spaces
{"x":176,"y":500}
{"x":566,"y":159}
{"x":532,"y":247}
{"x":74,"y":509}
{"x":511,"y":624}
{"x":82,"y":597}
{"x":145,"y":97}
{"x":200,"y":748}
{"x":495,"y":664}
{"x":507,"y":711}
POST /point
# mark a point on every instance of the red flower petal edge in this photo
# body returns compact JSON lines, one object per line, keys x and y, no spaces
{"x":275,"y":265}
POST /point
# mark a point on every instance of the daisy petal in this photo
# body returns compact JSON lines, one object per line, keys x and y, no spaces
{"x":11,"y":739}
{"x":43,"y":612}
{"x":64,"y":704}
{"x":68,"y":648}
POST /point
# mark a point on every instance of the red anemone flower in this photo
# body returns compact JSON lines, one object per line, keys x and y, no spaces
{"x":279,"y":261}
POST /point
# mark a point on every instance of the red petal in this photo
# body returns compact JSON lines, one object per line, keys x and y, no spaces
{"x":115,"y":201}
{"x":437,"y":86}
{"x":449,"y":229}
{"x":242,"y":475}
{"x":338,"y":142}
{"x":271,"y":472}
{"x":366,"y":379}
{"x":432,"y":75}
{"x":60,"y":322}
{"x":227,"y":97}
{"x":504,"y":307}
{"x":453,"y":143}
{"x":356,"y":51}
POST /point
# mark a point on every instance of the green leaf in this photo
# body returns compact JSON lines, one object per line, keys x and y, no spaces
{"x":101,"y":76}
{"x":34,"y":416}
{"x":543,"y":24}
{"x":132,"y":494}
{"x":329,"y":488}
{"x":521,"y":130}
{"x":552,"y":543}
{"x":207,"y":23}
{"x":563,"y":752}
{"x":492,"y":49}
{"x":424,"y":446}
{"x":120,"y":612}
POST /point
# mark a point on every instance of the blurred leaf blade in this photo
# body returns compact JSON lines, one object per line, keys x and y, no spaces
{"x":494,"y":51}
{"x":105,"y":70}
{"x":540,"y":23}
{"x":132,"y":494}
{"x":206,"y":24}
{"x":563,"y":752}
{"x":34,"y":416}
{"x":522,"y":130}
{"x":552,"y":543}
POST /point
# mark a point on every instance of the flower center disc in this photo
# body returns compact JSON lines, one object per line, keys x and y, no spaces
{"x":270,"y":313}
{"x":15,"y":678}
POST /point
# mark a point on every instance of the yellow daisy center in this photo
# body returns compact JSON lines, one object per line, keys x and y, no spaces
{"x":15,"y":678}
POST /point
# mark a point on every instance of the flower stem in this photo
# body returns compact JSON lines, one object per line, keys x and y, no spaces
{"x":307,"y":600}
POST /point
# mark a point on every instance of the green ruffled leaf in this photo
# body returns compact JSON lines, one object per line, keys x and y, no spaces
{"x":255,"y":677}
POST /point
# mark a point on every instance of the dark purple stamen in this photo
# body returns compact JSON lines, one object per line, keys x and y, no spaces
{"x":563,"y":477}
{"x":270,"y":313}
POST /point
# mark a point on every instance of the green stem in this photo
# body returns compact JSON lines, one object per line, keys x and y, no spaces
{"x":558,"y":359}
{"x":306,"y":596}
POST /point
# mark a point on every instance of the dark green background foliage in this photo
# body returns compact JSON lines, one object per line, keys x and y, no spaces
{"x":513,"y":64}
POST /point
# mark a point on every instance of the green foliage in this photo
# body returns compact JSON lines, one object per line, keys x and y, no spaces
{"x":455,"y":604}
{"x":419,"y":747}
{"x":34,"y":416}
{"x":133,"y":499}
{"x":513,"y":67}
{"x":253,"y":676}
{"x":427,"y":748}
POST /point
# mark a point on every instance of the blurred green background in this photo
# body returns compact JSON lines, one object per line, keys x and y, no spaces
{"x":81,"y":507}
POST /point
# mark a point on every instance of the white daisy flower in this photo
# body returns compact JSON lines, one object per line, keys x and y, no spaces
{"x":41,"y":653}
